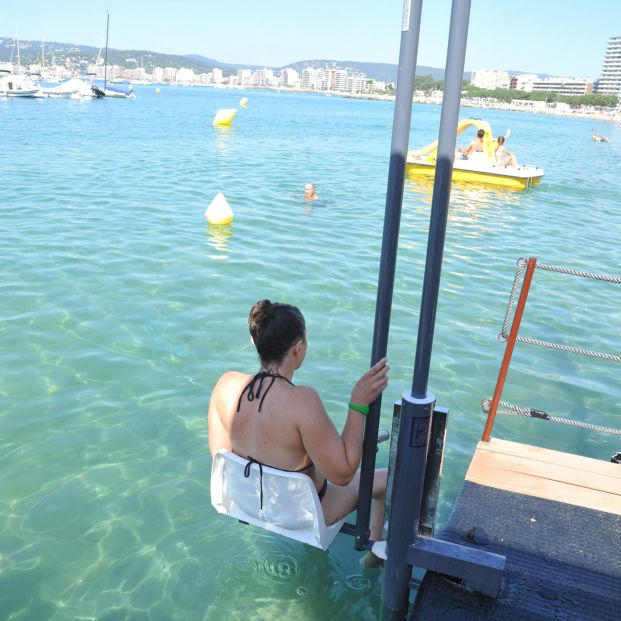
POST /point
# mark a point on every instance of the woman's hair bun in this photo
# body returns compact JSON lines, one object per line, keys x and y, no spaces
{"x":275,"y":328}
{"x":260,"y":313}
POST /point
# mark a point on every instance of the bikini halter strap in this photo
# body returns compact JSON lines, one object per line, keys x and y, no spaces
{"x":255,"y":386}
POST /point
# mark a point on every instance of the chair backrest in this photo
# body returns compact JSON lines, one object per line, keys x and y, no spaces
{"x":291,"y":506}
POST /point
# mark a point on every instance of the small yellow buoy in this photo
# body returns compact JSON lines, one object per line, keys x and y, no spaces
{"x":224,"y":116}
{"x":157,"y":91}
{"x":243,"y":102}
{"x":219,"y":211}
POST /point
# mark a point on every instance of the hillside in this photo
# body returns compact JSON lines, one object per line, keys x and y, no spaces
{"x":383,"y":72}
{"x":58,"y":53}
{"x":83,"y":55}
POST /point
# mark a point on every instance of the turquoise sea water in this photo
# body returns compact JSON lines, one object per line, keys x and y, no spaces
{"x":120,"y":307}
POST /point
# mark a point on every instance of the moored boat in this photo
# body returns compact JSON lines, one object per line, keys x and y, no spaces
{"x":74,"y":88}
{"x":480,"y":168}
{"x":16,"y":85}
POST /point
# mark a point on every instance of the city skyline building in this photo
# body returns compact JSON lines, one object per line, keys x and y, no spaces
{"x":610,"y":82}
{"x":289,"y":77}
{"x":564,"y":86}
{"x":524,"y":82}
{"x":531,"y":82}
{"x":489,"y":79}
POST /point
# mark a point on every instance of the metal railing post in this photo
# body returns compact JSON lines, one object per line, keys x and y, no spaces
{"x":506,"y":359}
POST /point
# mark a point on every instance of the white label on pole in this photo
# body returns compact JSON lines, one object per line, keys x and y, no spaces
{"x":405,"y":21}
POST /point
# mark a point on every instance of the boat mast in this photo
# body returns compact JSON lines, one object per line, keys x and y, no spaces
{"x":106,"y":56}
{"x":42,"y":55}
{"x":19,"y":66}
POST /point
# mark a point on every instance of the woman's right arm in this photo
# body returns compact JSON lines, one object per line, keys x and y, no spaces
{"x":338,"y":457}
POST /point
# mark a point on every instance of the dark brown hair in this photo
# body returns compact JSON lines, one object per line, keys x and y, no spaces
{"x":275,"y":328}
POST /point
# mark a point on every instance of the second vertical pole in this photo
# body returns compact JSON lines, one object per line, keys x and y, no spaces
{"x":417,"y":406}
{"x":410,"y":30}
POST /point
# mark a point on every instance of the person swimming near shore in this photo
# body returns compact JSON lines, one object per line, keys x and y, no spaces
{"x":266,"y":418}
{"x":310,"y":193}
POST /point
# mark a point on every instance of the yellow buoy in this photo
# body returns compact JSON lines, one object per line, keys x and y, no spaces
{"x":224,"y":116}
{"x":157,"y":91}
{"x":219,"y":211}
{"x":243,"y":102}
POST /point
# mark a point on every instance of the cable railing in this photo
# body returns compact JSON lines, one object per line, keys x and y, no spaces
{"x":515,"y":308}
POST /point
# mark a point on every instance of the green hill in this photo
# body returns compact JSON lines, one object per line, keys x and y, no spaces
{"x":83,"y":55}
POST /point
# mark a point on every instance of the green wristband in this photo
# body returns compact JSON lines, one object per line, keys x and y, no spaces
{"x":363,"y":409}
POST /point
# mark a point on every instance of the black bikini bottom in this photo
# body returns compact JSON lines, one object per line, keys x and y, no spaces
{"x":322,"y":492}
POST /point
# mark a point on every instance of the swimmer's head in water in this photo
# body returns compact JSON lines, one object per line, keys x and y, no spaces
{"x":274,"y":329}
{"x":309,"y":190}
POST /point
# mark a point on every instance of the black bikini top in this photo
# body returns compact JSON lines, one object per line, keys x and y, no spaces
{"x":255,"y":387}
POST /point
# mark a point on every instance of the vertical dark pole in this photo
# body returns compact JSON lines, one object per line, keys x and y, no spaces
{"x":449,"y":119}
{"x":417,"y":406}
{"x":410,"y":30}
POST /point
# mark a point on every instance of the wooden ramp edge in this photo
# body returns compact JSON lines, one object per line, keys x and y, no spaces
{"x":544,"y":473}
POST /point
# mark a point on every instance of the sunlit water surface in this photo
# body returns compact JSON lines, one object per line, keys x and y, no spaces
{"x":120,"y":307}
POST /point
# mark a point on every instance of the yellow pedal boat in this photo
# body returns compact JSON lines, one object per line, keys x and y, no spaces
{"x":480,"y":168}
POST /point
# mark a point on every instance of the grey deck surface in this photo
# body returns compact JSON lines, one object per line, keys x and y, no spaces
{"x":563,"y":561}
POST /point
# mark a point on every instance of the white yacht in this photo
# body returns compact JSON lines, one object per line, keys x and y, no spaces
{"x":17,"y":85}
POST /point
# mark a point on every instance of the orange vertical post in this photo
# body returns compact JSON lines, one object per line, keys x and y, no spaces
{"x":506,"y":360}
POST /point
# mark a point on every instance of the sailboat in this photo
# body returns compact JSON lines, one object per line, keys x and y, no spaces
{"x":17,"y":84}
{"x":113,"y":91}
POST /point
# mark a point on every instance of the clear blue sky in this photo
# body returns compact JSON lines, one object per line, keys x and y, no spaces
{"x":558,"y":37}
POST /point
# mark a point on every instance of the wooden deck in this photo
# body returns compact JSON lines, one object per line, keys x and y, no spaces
{"x":543,"y":473}
{"x":556,"y":517}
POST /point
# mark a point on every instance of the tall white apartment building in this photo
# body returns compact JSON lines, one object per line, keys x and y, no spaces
{"x":185,"y":75}
{"x":490,"y":80}
{"x":335,"y":79}
{"x":357,"y":84}
{"x":217,"y":75}
{"x":245,"y":76}
{"x":289,"y":77}
{"x":263,"y":77}
{"x":524,"y":81}
{"x":157,"y":74}
{"x":170,"y":74}
{"x":610,"y":82}
{"x":311,"y":78}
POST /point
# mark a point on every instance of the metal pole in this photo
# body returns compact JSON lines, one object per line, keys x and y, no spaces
{"x":410,"y":30}
{"x":417,"y":407}
{"x":449,"y":119}
{"x":407,"y":492}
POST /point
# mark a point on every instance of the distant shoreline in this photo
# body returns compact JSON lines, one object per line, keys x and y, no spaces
{"x":596,"y":115}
